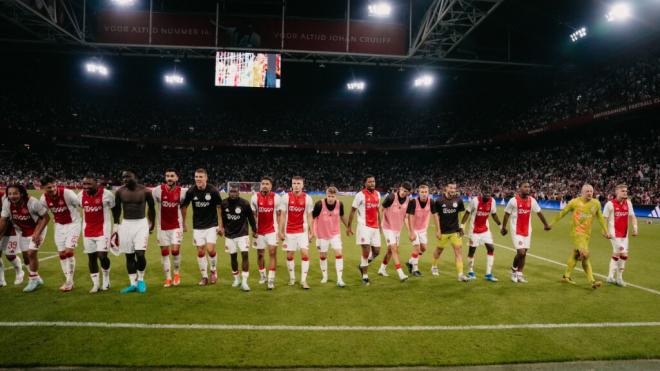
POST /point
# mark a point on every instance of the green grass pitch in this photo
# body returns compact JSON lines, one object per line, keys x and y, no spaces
{"x":424,"y":301}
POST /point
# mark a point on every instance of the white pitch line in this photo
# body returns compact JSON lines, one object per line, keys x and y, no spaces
{"x":227,"y":327}
{"x":10,"y":267}
{"x":652,"y":291}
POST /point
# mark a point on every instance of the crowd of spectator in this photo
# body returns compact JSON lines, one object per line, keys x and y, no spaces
{"x":555,"y":171}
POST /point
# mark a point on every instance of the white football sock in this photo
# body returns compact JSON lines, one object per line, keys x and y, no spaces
{"x":291,"y":266}
{"x":165,"y":260}
{"x":304,"y":268}
{"x":95,"y":279}
{"x":490,"y":259}
{"x":214,"y":262}
{"x":202,"y":264}
{"x":324,"y":267}
{"x":339,"y":266}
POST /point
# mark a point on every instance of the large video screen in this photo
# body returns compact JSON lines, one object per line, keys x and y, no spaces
{"x":252,"y":70}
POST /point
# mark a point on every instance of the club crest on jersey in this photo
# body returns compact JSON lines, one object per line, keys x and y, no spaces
{"x":237,"y":210}
{"x":61,"y":202}
{"x":455,"y":204}
{"x":301,"y":202}
{"x":97,"y":201}
{"x":207,"y":197}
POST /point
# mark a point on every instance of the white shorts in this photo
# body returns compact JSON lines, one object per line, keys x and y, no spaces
{"x":391,"y":237}
{"x":133,"y":235}
{"x":9,"y":245}
{"x":367,"y":236}
{"x":477,"y":239}
{"x":295,"y":241}
{"x":25,"y":243}
{"x":323,"y":245}
{"x":264,"y":240}
{"x":66,"y":235}
{"x":521,"y":242}
{"x":170,"y":237}
{"x":96,"y":244}
{"x":421,"y":239}
{"x":202,"y":237}
{"x":619,"y":245}
{"x":233,"y":245}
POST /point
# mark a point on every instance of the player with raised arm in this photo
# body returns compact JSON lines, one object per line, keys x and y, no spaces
{"x":236,"y":216}
{"x":366,"y":204}
{"x":448,"y":206}
{"x":419,"y":213}
{"x":96,"y":203}
{"x":9,"y":246}
{"x":132,"y":232}
{"x":30,"y":218}
{"x":296,"y":230}
{"x":519,"y":209}
{"x":478,"y":210}
{"x":207,"y":223}
{"x":394,"y":208}
{"x":619,"y":213}
{"x":168,"y":197}
{"x":265,"y":206}
{"x":585,"y":209}
{"x":63,"y":204}
{"x":327,"y":214}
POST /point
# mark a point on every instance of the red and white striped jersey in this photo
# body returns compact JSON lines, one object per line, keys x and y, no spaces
{"x":63,"y":205}
{"x":295,"y":209}
{"x":24,"y":215}
{"x":479,"y":213}
{"x":618,"y":215}
{"x":367,"y":204}
{"x":266,"y":208}
{"x":521,"y":214}
{"x":168,"y":204}
{"x":11,"y":231}
{"x":97,"y":214}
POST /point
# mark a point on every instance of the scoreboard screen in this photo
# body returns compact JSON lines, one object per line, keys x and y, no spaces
{"x":251,"y":70}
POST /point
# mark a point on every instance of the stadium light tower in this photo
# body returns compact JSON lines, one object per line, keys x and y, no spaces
{"x":619,"y":12}
{"x":174,"y":78}
{"x":356,"y":86}
{"x":96,"y":68}
{"x":579,"y":34}
{"x":123,"y":3}
{"x":423,"y":81}
{"x":380,"y":9}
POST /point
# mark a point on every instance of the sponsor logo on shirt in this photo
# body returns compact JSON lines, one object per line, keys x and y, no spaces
{"x":92,"y":209}
{"x":57,"y":210}
{"x":296,"y":209}
{"x":266,"y":209}
{"x":202,"y":204}
{"x":233,"y":217}
{"x":169,"y":204}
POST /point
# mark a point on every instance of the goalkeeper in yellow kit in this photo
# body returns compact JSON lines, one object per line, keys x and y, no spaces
{"x":585,"y":208}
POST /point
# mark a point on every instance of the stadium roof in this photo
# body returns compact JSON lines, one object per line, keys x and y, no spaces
{"x":500,"y":35}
